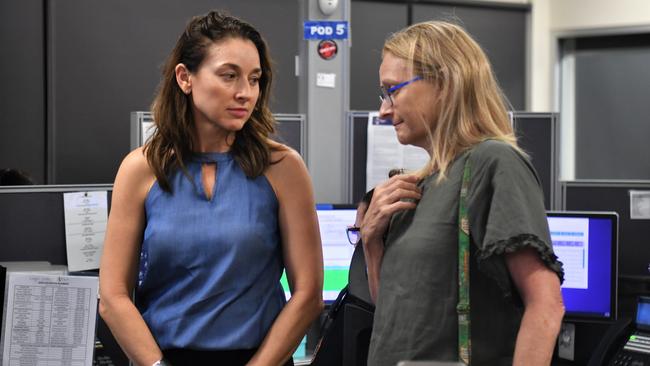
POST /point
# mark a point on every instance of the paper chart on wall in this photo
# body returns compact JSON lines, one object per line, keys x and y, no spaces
{"x":49,"y":320}
{"x":385,"y":152}
{"x":86,"y":215}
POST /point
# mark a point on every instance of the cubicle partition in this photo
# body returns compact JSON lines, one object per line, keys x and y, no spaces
{"x":357,"y":150}
{"x":32,"y":228}
{"x":32,"y":221}
{"x":537,"y":135}
{"x":602,"y":195}
{"x":291,"y":130}
{"x":622,"y":196}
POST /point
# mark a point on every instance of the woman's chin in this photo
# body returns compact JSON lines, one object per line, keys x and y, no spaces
{"x":403,"y":138}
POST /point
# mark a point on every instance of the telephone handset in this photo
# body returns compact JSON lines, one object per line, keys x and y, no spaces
{"x":611,"y":342}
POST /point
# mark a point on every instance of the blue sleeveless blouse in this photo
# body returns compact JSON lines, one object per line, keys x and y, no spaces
{"x":210,"y":270}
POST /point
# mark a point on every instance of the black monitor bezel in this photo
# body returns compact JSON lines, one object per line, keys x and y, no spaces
{"x":614,"y":218}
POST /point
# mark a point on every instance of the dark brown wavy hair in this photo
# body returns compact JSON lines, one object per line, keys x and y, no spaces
{"x":172,"y":142}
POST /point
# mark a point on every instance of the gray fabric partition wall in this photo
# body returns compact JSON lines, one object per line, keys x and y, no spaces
{"x":501,"y":31}
{"x":22,"y":72}
{"x":537,"y":135}
{"x":371,"y":22}
{"x":72,"y":71}
{"x":614,"y":195}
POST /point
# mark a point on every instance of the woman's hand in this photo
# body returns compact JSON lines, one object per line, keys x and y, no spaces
{"x":396,"y":194}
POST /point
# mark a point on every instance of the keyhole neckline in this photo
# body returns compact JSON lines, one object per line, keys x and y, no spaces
{"x":211,"y":157}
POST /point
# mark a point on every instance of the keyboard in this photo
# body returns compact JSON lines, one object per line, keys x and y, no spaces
{"x":635,"y":352}
{"x":638,"y":342}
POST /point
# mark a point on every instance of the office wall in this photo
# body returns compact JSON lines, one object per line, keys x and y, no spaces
{"x":73,"y":70}
{"x":369,"y":34}
{"x":501,"y":32}
{"x":586,"y":14}
{"x":552,"y":17}
{"x":555,"y":19}
{"x":105,"y":59}
{"x":22,"y":106}
{"x":22,"y":87}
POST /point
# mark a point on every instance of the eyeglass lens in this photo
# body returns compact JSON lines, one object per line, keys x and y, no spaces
{"x":384,"y":96}
{"x":387,"y":93}
{"x":354,"y":235}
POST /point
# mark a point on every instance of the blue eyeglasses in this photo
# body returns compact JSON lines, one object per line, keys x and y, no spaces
{"x":354,"y":234}
{"x":386,"y":94}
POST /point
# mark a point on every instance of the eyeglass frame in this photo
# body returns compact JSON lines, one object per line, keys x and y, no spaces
{"x":353,"y":229}
{"x":387,"y":93}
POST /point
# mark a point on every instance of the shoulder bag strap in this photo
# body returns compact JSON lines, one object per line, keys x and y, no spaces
{"x":464,"y":338}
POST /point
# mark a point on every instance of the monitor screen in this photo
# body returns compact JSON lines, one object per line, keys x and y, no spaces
{"x":586,"y":243}
{"x":337,"y":250}
{"x":643,"y":313}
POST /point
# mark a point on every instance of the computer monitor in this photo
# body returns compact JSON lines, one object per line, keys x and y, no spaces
{"x":333,"y":219}
{"x":587,"y":245}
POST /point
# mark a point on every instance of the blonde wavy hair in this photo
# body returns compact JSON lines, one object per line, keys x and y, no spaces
{"x":471,"y":107}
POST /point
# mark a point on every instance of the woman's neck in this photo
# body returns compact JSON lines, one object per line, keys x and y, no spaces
{"x":211,"y":138}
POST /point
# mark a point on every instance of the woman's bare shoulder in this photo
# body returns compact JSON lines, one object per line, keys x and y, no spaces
{"x":287,"y":170}
{"x":136,"y":162}
{"x":135,"y":171}
{"x":284,"y":157}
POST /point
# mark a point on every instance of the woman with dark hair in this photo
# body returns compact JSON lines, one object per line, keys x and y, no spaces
{"x":207,"y":215}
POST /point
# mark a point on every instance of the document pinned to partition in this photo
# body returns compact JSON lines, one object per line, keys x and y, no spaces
{"x":86,"y":214}
{"x":49,"y":319}
{"x":639,"y":205}
{"x":385,"y":152}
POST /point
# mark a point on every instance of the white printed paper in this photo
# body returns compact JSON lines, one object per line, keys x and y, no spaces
{"x":86,"y":215}
{"x":385,"y":152}
{"x":49,"y":320}
{"x":148,"y":129}
{"x":640,"y":205}
{"x":326,"y":80}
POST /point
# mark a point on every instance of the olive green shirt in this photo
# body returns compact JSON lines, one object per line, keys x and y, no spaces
{"x":415,"y":317}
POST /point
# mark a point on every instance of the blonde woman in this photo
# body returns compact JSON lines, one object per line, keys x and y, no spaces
{"x":438,"y":89}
